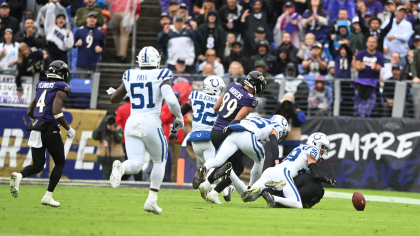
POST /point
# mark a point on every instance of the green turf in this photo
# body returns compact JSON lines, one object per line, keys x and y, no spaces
{"x":106,"y":211}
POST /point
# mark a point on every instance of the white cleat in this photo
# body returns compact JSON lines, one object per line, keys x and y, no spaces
{"x":276,"y":185}
{"x":15,"y":179}
{"x":227,"y":193}
{"x":152,"y":207}
{"x":205,"y":188}
{"x":49,"y":201}
{"x":116,"y":174}
{"x":213,"y":197}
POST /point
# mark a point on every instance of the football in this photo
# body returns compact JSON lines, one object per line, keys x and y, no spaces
{"x":359,"y":201}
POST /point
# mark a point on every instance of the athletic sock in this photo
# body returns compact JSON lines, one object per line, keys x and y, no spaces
{"x":237,"y":183}
{"x":156,"y":177}
{"x":48,"y":194}
{"x":153,"y":196}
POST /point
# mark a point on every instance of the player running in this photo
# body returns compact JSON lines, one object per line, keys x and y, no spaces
{"x":281,"y":176}
{"x":246,"y":136}
{"x":232,"y":106}
{"x":147,"y":88}
{"x":45,"y":110}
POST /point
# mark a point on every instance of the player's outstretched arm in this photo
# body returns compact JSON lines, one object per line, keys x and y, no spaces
{"x":60,"y":96}
{"x":218,"y":103}
{"x":186,"y":108}
{"x":31,"y":109}
{"x":243,"y":113}
{"x":118,"y":96}
{"x":274,"y":145}
{"x":316,"y":174}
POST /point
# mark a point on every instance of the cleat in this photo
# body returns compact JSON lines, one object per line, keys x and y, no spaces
{"x":15,"y":179}
{"x":205,"y":188}
{"x":251,"y":194}
{"x":199,"y":177}
{"x":223,"y":171}
{"x":115,"y":178}
{"x":49,"y":201}
{"x":213,"y":197}
{"x":152,"y":207}
{"x":276,"y":185}
{"x":227,"y":193}
{"x":268,"y":198}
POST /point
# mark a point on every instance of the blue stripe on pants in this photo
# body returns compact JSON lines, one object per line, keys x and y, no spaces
{"x":166,"y":145}
{"x":253,"y":146}
{"x":256,"y":143}
{"x":161,"y":141}
{"x":292,"y":184}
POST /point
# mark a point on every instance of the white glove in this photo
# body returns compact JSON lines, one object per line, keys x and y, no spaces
{"x":71,"y":133}
{"x":178,"y":124}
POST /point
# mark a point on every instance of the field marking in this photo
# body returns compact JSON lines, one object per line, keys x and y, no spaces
{"x":375,"y":198}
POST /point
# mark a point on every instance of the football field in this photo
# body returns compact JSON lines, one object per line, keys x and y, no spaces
{"x":106,"y":211}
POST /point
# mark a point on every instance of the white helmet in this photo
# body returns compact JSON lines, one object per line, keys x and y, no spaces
{"x":149,"y":56}
{"x":213,"y":85}
{"x":321,"y":141}
{"x":280,"y":125}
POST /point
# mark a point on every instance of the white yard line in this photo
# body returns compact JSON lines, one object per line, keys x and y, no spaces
{"x":374,"y":198}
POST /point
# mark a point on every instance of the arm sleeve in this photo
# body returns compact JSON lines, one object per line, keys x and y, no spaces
{"x":274,"y":147}
{"x":100,"y":18}
{"x":49,"y":19}
{"x":315,"y":173}
{"x":234,"y":122}
{"x":408,"y":31}
{"x":96,"y":135}
{"x":185,"y":108}
{"x":299,"y":120}
{"x":69,"y":41}
{"x":172,"y":101}
{"x":118,"y":135}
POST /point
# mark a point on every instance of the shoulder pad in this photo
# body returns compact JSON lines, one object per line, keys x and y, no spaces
{"x":165,"y":74}
{"x":126,"y":75}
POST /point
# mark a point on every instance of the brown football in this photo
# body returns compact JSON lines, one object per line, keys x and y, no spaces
{"x":359,"y":201}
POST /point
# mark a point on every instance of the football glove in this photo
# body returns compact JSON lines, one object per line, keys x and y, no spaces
{"x":227,"y":130}
{"x":178,"y":124}
{"x":332,"y":182}
{"x":71,"y":133}
{"x":173,"y":136}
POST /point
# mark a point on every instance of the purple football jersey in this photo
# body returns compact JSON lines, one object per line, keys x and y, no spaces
{"x":234,"y":98}
{"x":45,"y":95}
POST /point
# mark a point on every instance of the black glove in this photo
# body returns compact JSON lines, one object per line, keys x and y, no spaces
{"x":227,"y":130}
{"x":332,"y":182}
{"x":173,"y":136}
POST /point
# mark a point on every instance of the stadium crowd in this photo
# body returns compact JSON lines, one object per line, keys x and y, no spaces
{"x":363,"y":42}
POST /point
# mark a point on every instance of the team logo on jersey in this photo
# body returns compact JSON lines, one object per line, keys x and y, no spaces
{"x":254,"y":103}
{"x":67,"y":89}
{"x":212,"y":80}
{"x":261,"y":77}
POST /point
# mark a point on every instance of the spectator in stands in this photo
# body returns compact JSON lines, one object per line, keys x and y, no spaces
{"x":415,"y":71}
{"x":410,"y":17}
{"x":236,"y":54}
{"x":40,"y":20}
{"x":17,"y":7}
{"x":295,"y":117}
{"x":164,"y":20}
{"x":183,"y":11}
{"x":167,"y":119}
{"x":59,"y":39}
{"x":406,"y":72}
{"x":208,"y":70}
{"x":397,"y":38}
{"x":389,"y":90}
{"x":27,"y":15}
{"x":369,"y":63}
{"x":82,"y":13}
{"x":416,"y":41}
{"x":263,"y":53}
{"x":214,"y":36}
{"x":343,"y":15}
{"x":356,"y":38}
{"x":118,"y":11}
{"x":282,"y":61}
{"x":318,"y":100}
{"x":335,"y":11}
{"x":252,"y":40}
{"x":331,"y":71}
{"x":107,"y":18}
{"x":230,"y":38}
{"x":90,"y":42}
{"x":29,"y":63}
{"x":288,"y":23}
{"x":8,"y":21}
{"x":29,"y":35}
{"x":180,"y":69}
{"x":373,"y":29}
{"x":262,"y":67}
{"x":386,"y":71}
{"x":230,"y":16}
{"x":173,"y":8}
{"x":374,"y":7}
{"x":314,"y":20}
{"x":211,"y":59}
{"x":110,"y":148}
{"x":316,"y":64}
{"x":343,"y":62}
{"x":305,"y":48}
{"x":291,"y":49}
{"x":9,"y":51}
{"x":236,"y":70}
{"x":257,"y":16}
{"x":202,"y":14}
{"x":181,"y":44}
{"x":342,"y":36}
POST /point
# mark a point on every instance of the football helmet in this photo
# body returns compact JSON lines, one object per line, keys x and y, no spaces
{"x":214,"y":85}
{"x":58,"y":70}
{"x":149,"y":57}
{"x":280,"y":125}
{"x":257,"y":81}
{"x":321,"y":141}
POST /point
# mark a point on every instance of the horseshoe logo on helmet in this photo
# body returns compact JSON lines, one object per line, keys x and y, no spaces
{"x":211,"y":81}
{"x":317,"y":138}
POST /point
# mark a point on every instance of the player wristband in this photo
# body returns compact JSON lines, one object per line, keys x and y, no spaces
{"x":58,"y":115}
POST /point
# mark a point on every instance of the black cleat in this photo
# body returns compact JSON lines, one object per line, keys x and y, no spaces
{"x":229,"y":190}
{"x":199,"y":177}
{"x":268,"y":198}
{"x":223,"y":171}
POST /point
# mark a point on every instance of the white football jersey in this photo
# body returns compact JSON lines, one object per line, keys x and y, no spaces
{"x":297,"y":160}
{"x":143,"y":87}
{"x":204,"y":115}
{"x":261,"y":127}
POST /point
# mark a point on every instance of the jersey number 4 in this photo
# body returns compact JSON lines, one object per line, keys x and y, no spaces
{"x":139,"y":95}
{"x":41,"y":101}
{"x":206,"y":114}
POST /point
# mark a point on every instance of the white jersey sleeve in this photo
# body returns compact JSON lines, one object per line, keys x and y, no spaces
{"x":259,"y":126}
{"x":204,"y":115}
{"x":297,"y":160}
